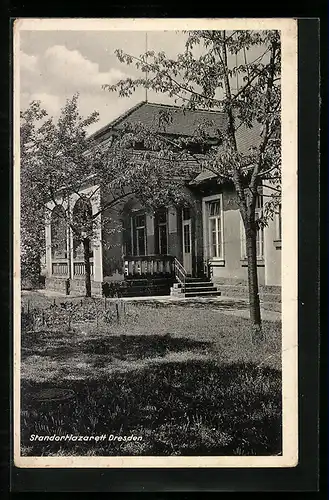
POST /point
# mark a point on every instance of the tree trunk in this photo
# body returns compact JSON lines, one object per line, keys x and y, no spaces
{"x":86,"y":254}
{"x":254,"y":303}
{"x":36,"y":270}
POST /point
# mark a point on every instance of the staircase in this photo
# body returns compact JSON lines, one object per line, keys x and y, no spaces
{"x":186,"y":286}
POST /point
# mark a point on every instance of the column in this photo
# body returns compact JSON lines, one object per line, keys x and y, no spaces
{"x":97,"y":243}
{"x":70,"y":252}
{"x":48,"y":246}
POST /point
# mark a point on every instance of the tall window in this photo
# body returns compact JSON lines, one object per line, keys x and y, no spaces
{"x":186,"y":213}
{"x":82,"y":220}
{"x":58,"y":233}
{"x":139,"y":235}
{"x":259,"y":234}
{"x":127,"y":235}
{"x":215,"y":228}
{"x":161,"y":240}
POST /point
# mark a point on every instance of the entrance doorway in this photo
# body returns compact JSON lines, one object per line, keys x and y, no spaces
{"x":187,"y":241}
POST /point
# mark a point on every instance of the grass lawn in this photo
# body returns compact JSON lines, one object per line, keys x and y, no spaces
{"x":183,"y":380}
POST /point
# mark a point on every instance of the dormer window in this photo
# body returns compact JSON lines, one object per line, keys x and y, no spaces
{"x":194,"y":147}
{"x":139,"y":145}
{"x":197,"y":148}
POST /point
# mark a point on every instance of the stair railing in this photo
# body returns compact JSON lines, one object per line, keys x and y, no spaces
{"x":180,"y":272}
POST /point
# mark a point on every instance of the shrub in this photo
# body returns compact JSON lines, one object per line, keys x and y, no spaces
{"x":114,"y":288}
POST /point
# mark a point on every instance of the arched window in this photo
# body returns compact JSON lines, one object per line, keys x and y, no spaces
{"x":58,"y":233}
{"x":82,"y":222}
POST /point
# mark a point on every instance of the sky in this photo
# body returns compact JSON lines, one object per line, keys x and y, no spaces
{"x":56,"y":64}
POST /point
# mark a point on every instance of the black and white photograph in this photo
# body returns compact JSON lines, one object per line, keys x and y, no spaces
{"x":155,"y":225}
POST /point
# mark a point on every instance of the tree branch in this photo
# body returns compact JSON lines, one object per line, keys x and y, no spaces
{"x":264,"y":172}
{"x":255,"y":173}
{"x":111,"y":203}
{"x":273,"y":188}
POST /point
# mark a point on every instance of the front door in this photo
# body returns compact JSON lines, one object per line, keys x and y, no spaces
{"x":187,"y":246}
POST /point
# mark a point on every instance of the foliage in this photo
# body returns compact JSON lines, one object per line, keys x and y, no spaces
{"x":71,"y":316}
{"x":206,"y":81}
{"x":64,"y":161}
{"x":31,"y":212}
{"x":203,"y":77}
{"x":114,"y":288}
{"x":54,"y":317}
{"x":58,"y":152}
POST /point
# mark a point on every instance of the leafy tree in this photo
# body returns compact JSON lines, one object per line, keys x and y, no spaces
{"x":218,"y":72}
{"x":31,"y":213}
{"x":63,"y":158}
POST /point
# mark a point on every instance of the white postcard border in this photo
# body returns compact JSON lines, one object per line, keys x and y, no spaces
{"x":288,"y":29}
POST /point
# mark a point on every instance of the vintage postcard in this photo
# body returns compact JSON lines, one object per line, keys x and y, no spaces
{"x":155,"y":233}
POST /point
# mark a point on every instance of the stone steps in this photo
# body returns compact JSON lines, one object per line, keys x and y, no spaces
{"x":195,"y":287}
{"x":208,"y":293}
{"x":207,"y":288}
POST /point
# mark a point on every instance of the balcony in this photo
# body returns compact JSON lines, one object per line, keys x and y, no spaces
{"x":61,"y":269}
{"x":79,"y":269}
{"x":147,"y":266}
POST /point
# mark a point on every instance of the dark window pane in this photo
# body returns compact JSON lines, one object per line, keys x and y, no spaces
{"x":186,"y":214}
{"x":134,"y":238}
{"x":213,"y":250}
{"x":214,"y":208}
{"x":139,"y":235}
{"x":127,"y":243}
{"x":161,"y":216}
{"x":140,"y":220}
{"x":141,"y":241}
{"x":139,"y":145}
{"x":163,"y":248}
{"x":187,"y":247}
{"x":58,"y":233}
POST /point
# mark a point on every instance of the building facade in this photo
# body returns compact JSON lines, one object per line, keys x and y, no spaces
{"x":205,"y":239}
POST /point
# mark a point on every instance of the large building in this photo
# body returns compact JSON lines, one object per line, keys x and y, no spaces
{"x":205,"y":240}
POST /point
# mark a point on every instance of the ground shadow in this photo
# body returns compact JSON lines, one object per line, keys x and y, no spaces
{"x":188,"y":408}
{"x":117,"y":346}
{"x":202,"y":303}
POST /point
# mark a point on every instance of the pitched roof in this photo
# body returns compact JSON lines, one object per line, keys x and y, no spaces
{"x":245,"y":138}
{"x":184,"y":122}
